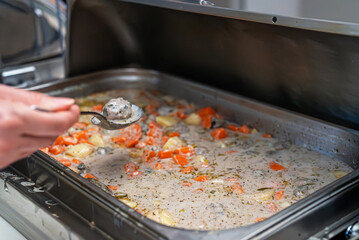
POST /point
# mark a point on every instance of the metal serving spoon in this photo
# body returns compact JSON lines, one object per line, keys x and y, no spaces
{"x":101,"y":121}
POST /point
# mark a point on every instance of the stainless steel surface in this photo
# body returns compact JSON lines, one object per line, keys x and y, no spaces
{"x":31,"y":33}
{"x":30,"y":30}
{"x":337,"y":230}
{"x":327,"y":10}
{"x":325,"y":16}
{"x":36,"y":214}
{"x":308,"y":71}
{"x":31,"y":74}
{"x":299,"y":221}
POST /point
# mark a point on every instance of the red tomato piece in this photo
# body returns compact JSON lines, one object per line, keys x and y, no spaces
{"x":112,"y":187}
{"x":207,"y":121}
{"x":232,"y":127}
{"x":97,"y":108}
{"x":68,"y":140}
{"x":180,"y":159}
{"x":167,"y":153}
{"x":148,"y":156}
{"x":207,"y":111}
{"x":181,"y":115}
{"x":219,"y":133}
{"x":279,"y":195}
{"x":76,"y":161}
{"x":267,"y":135}
{"x":45,"y":149}
{"x":272,"y":207}
{"x":174,"y":134}
{"x":57,"y":149}
{"x":59,"y":141}
{"x":89,"y":175}
{"x":237,"y":188}
{"x":187,"y":170}
{"x":80,"y":135}
{"x":275,"y":166}
{"x":188,"y":150}
{"x":186,"y":184}
{"x":260,"y":219}
{"x":201,"y":178}
{"x":134,"y":174}
{"x":245,"y":129}
{"x":131,"y":167}
{"x":158,"y":166}
{"x":65,"y":162}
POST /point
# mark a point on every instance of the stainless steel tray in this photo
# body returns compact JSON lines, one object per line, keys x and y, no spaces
{"x":298,"y":221}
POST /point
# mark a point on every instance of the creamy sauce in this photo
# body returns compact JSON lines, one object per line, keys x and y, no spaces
{"x":242,"y":159}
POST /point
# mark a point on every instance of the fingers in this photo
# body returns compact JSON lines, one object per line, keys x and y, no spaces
{"x":29,"y":144}
{"x":17,"y":148}
{"x":55,"y":103}
{"x":13,"y":157}
{"x":44,"y":124}
{"x":35,"y":98}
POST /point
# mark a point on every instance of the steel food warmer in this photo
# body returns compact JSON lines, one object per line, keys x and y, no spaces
{"x":294,"y":76}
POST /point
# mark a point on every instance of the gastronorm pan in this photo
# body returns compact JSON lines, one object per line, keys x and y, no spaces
{"x":116,"y":220}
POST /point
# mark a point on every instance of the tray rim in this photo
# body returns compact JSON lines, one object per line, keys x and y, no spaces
{"x":251,"y":230}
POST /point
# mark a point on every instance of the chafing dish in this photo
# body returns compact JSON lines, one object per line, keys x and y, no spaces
{"x":282,"y":61}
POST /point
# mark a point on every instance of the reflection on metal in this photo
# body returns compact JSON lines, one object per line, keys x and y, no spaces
{"x":206,"y":3}
{"x":51,"y":202}
{"x":352,"y":232}
{"x":30,"y":31}
{"x":18,"y":71}
{"x":28,"y":75}
{"x":312,"y":72}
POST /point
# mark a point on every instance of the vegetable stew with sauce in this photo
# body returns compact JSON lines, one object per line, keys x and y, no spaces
{"x":187,"y":167}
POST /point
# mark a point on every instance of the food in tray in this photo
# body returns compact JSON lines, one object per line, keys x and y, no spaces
{"x":187,"y":167}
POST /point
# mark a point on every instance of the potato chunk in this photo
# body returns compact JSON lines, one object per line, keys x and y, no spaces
{"x":173,"y":143}
{"x":74,"y":169}
{"x":154,"y":216}
{"x":193,"y":119}
{"x":166,"y":218}
{"x":81,"y":150}
{"x":97,"y":140}
{"x":129,"y":203}
{"x":283,"y":204}
{"x":339,"y":174}
{"x":260,"y":196}
{"x":200,"y":159}
{"x":162,"y":216}
{"x":166,"y":121}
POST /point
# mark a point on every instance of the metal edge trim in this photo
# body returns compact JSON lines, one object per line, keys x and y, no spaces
{"x":328,"y":26}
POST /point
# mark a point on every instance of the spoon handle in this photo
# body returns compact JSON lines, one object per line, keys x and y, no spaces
{"x":34,"y":107}
{"x":91,"y":113}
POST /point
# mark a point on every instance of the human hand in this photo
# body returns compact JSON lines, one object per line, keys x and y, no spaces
{"x":23,"y":130}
